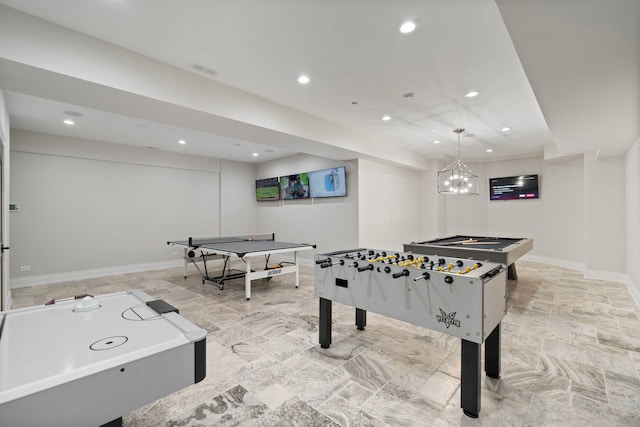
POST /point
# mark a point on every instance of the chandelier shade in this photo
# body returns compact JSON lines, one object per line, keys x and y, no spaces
{"x":457,"y":178}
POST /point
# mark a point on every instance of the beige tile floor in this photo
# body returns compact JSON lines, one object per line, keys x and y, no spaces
{"x":570,"y":356}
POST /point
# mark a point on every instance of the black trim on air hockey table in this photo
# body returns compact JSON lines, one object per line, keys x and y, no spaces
{"x":470,"y":358}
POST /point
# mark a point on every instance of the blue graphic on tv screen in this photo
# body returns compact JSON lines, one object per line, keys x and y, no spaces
{"x":328,"y":183}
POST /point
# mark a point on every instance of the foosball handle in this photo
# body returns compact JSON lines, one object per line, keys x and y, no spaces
{"x":330,"y":264}
{"x":425,"y":276}
{"x":404,"y":272}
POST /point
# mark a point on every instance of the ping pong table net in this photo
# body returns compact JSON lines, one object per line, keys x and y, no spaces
{"x":202,"y":241}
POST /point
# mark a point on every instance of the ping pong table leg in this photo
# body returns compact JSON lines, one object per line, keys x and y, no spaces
{"x":247,"y":279}
{"x":186,"y":261}
{"x":295,"y":261}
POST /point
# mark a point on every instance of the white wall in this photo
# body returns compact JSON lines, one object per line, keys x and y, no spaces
{"x":108,"y":208}
{"x":174,"y":196}
{"x":632,"y":191}
{"x":329,"y":223}
{"x":578,"y":221}
{"x":238,"y":211}
{"x":388,"y":205}
{"x":4,"y":118}
{"x":562,"y":224}
{"x":555,"y":221}
{"x":5,"y":295}
{"x":605,"y":215}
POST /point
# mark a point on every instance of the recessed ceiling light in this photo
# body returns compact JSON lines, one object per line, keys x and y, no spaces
{"x":407,"y":27}
{"x":386,"y":118}
{"x":303,"y":79}
{"x":255,"y":154}
{"x":489,"y":150}
{"x":506,"y":129}
{"x":472,"y":94}
{"x":69,"y":122}
{"x":436,"y":142}
{"x":182,"y":142}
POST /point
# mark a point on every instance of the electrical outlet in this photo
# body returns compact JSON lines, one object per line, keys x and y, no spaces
{"x":25,"y":268}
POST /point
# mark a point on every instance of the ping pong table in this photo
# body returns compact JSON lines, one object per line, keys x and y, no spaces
{"x":244,"y":247}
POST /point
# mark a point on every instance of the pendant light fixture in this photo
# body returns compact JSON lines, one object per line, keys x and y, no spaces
{"x":457,"y":178}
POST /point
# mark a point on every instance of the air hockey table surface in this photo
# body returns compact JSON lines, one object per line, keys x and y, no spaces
{"x":90,"y":362}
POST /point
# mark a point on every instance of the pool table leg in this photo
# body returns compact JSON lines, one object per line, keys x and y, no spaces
{"x":511,"y":272}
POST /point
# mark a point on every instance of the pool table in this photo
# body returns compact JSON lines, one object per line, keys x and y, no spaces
{"x":504,"y":250}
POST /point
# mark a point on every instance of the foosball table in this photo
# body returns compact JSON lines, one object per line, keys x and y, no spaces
{"x":459,"y":297}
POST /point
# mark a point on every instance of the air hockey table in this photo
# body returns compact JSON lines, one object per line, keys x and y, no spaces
{"x":505,"y":250}
{"x":89,"y":361}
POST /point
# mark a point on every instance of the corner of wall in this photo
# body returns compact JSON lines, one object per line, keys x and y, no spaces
{"x":634,"y":289}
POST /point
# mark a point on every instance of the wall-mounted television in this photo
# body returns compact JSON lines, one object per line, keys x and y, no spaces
{"x":328,"y":182}
{"x":267,"y":189}
{"x":294,"y":186}
{"x":514,"y":187}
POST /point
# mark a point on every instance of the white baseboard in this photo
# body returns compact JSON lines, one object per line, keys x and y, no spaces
{"x":605,"y":275}
{"x":634,"y":289}
{"x":553,"y":261}
{"x":48,"y":279}
{"x":588,"y":274}
{"x":71,"y":276}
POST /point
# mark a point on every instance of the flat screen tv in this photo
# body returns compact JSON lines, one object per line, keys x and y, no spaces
{"x":328,"y":182}
{"x":514,"y":187}
{"x":267,"y":189}
{"x":294,"y":186}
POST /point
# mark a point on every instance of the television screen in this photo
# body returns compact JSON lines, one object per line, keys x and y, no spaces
{"x":294,"y":186}
{"x":267,"y":189}
{"x":514,"y":187}
{"x":328,"y":182}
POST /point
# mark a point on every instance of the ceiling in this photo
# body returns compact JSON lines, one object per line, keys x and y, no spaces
{"x":563,"y":75}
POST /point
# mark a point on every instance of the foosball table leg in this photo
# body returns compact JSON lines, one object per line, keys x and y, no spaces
{"x":492,"y":353}
{"x":361,"y":319}
{"x":470,"y":379}
{"x":325,"y":323}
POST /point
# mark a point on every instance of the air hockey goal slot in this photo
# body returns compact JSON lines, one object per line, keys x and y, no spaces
{"x":151,"y":310}
{"x":162,"y":307}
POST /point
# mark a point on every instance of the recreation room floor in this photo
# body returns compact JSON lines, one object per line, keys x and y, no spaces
{"x":570,"y":356}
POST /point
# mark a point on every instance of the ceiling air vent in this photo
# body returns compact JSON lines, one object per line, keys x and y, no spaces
{"x":202,"y":69}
